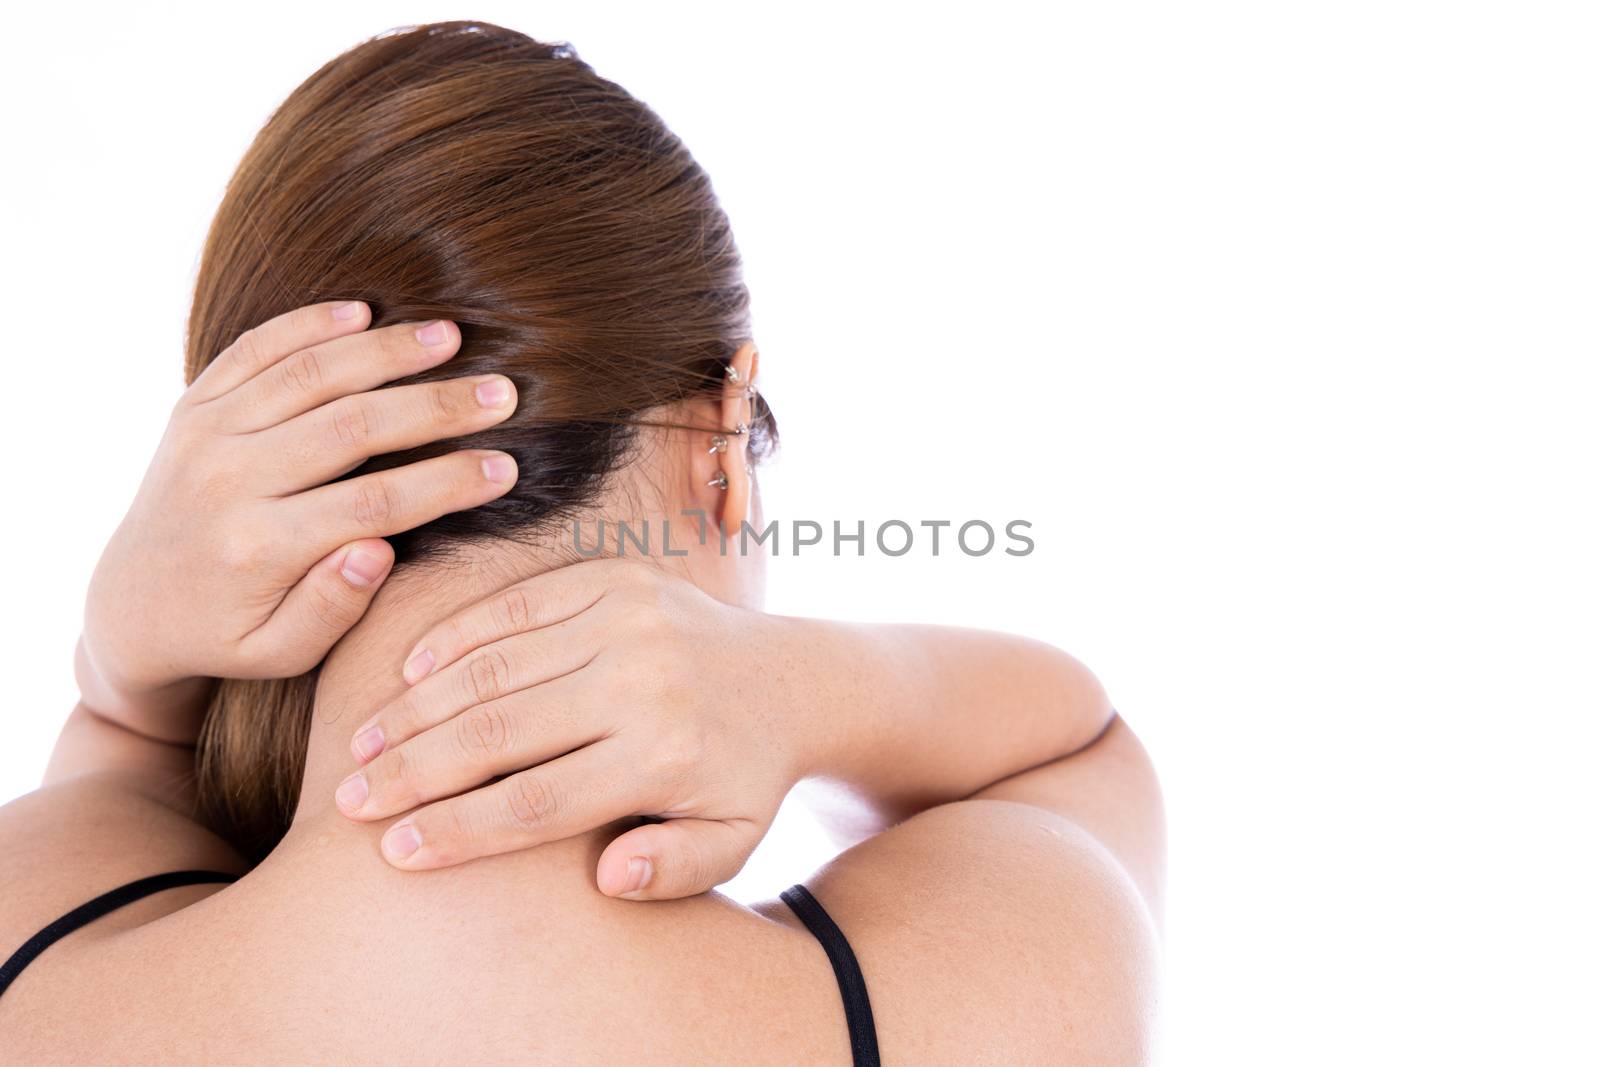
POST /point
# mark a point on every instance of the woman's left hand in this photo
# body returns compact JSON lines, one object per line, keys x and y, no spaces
{"x":246,"y":552}
{"x":599,"y":700}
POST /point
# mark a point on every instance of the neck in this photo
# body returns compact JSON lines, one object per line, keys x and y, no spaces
{"x":362,"y":673}
{"x":357,"y":679}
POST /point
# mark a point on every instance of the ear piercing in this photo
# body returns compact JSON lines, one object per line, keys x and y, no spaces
{"x":719,"y":442}
{"x":733,"y":374}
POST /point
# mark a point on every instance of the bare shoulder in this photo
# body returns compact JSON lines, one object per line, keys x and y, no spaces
{"x":72,"y":841}
{"x":1000,"y":930}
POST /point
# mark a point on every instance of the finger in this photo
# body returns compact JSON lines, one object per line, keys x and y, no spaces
{"x":389,"y":502}
{"x":339,"y":436}
{"x":262,"y":346}
{"x":543,"y":600}
{"x":568,"y":796}
{"x":321,"y":608}
{"x":535,"y":661}
{"x":315,"y":374}
{"x":483,"y":742}
{"x":676,"y":858}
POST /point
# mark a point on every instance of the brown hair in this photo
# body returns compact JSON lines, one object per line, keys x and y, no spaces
{"x":465,"y":171}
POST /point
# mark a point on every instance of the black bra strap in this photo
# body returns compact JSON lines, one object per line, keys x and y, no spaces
{"x":852,"y":986}
{"x":100,"y":905}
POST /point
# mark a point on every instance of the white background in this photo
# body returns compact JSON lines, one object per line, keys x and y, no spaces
{"x":1278,"y":321}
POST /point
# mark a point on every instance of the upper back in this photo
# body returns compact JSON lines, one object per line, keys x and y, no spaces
{"x":990,"y":930}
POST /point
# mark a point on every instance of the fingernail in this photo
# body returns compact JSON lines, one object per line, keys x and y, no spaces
{"x":352,"y":793}
{"x":418,"y":667}
{"x":401,"y":841}
{"x":368,"y":743}
{"x":434,"y":333}
{"x":499,"y":468}
{"x":361,"y":567}
{"x":639,"y":872}
{"x":346,"y":312}
{"x":493,"y":393}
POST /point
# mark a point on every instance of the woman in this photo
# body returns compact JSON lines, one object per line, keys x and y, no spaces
{"x":449,"y":757}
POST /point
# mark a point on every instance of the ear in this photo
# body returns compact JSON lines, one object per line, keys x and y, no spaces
{"x":738,"y":394}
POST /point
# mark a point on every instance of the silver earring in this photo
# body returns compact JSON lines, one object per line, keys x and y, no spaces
{"x":719,"y":443}
{"x":733,"y":374}
{"x":720,"y":481}
{"x":740,"y":430}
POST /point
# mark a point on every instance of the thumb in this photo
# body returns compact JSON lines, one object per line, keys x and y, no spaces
{"x":321,"y":607}
{"x":676,"y":858}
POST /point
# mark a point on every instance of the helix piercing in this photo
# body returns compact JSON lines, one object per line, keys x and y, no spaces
{"x":720,"y":481}
{"x":733,"y":374}
{"x":719,"y":443}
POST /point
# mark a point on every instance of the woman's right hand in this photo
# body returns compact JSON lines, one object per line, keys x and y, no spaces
{"x":238,"y":558}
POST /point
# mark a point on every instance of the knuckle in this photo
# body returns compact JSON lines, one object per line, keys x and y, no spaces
{"x":352,"y":424}
{"x":445,"y":402}
{"x":405,"y":716}
{"x":692,"y":867}
{"x":212,"y":468}
{"x":397,"y":343}
{"x":183,"y":438}
{"x":532,"y":802}
{"x":659,"y":649}
{"x":677,"y":759}
{"x":303,"y":371}
{"x":516,"y":609}
{"x":248,"y":350}
{"x":648,"y":592}
{"x":390,"y":776}
{"x":649,"y":577}
{"x":327,"y":608}
{"x":483,"y":731}
{"x":283,"y":664}
{"x":375,"y":502}
{"x":447,"y":827}
{"x":184,"y":406}
{"x":243,"y":552}
{"x":488,"y":674}
{"x":649,"y":581}
{"x":460,"y":633}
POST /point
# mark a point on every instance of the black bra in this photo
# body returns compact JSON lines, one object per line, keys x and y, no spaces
{"x":852,"y":986}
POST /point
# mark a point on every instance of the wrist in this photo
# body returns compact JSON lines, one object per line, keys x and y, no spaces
{"x":98,"y":671}
{"x":811,"y":663}
{"x":166,"y":709}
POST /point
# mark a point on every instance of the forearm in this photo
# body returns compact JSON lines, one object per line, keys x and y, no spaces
{"x":132,"y":727}
{"x":93,"y":746}
{"x":898,"y":719}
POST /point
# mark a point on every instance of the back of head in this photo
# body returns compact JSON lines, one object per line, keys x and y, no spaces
{"x":468,"y":172}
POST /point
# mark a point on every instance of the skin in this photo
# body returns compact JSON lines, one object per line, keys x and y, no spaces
{"x":1001,"y":897}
